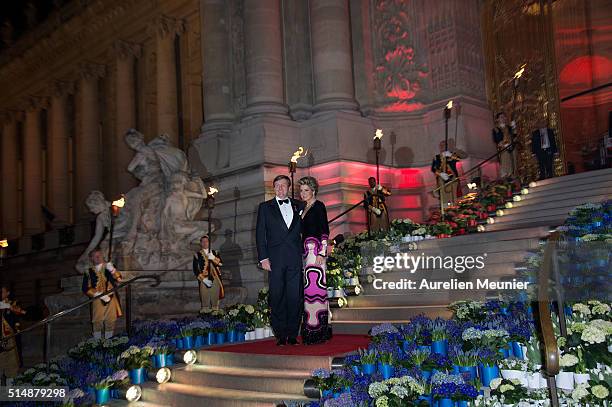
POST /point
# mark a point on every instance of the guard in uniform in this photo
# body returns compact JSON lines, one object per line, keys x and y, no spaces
{"x":101,"y":277}
{"x":206,"y":268}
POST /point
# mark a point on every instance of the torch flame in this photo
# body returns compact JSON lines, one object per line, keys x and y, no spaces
{"x":519,"y":73}
{"x":449,"y":105}
{"x":119,"y":203}
{"x":212,"y":190}
{"x":3,"y":243}
{"x":299,"y":153}
{"x":379,"y":134}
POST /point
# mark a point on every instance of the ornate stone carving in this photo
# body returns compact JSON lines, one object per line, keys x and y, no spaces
{"x":125,"y":49}
{"x":157,"y":225}
{"x":165,"y":26}
{"x":61,"y":88}
{"x":90,"y":70}
{"x":400,"y":73}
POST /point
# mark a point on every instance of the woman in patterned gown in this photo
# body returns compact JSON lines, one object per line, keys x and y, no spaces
{"x":315,"y":232}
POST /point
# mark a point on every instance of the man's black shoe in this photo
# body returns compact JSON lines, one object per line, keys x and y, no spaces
{"x":292,"y":341}
{"x":281,"y":341}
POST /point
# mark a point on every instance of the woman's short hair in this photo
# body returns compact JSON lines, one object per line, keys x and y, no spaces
{"x":311,"y":182}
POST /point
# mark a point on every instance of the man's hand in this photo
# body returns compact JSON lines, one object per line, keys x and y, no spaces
{"x":444,"y":176}
{"x":211,"y":256}
{"x":110,"y":267}
{"x":265,"y":264}
{"x":105,"y":298}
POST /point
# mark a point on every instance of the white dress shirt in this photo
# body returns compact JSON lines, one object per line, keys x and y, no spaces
{"x":544,"y":142}
{"x":286,"y":211}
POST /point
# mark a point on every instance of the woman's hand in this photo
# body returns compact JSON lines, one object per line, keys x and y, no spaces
{"x":319,"y":260}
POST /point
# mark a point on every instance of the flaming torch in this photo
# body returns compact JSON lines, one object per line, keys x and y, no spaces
{"x":377,"y":140}
{"x":447,"y":115}
{"x":210,"y":205}
{"x":299,"y":153}
{"x":115,"y":208}
{"x":3,"y":246}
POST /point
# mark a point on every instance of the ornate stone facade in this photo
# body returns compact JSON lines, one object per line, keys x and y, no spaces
{"x":239,"y":85}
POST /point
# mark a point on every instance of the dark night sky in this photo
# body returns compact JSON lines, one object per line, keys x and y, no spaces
{"x":15,"y":12}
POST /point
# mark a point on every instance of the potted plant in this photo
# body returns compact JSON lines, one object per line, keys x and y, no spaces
{"x":387,"y":361}
{"x":439,"y":337}
{"x":510,"y":392}
{"x":368,"y":361}
{"x":102,"y":391}
{"x":513,"y":368}
{"x":135,"y":360}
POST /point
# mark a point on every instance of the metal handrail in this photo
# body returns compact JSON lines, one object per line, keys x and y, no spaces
{"x":47,"y":321}
{"x":474,"y":168}
{"x":551,"y":348}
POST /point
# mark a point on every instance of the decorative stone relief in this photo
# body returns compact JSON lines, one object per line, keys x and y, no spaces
{"x":400,"y":73}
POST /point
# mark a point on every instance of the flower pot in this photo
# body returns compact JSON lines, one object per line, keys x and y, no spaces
{"x":445,"y":403}
{"x":102,"y":396}
{"x":368,"y":368}
{"x":581,"y":378}
{"x":517,"y":350}
{"x":440,"y":347}
{"x":428,"y":398}
{"x":515,"y":374}
{"x":179,"y":343}
{"x":456,"y":369}
{"x":249,"y":335}
{"x":462,"y":403}
{"x":211,"y":338}
{"x":159,"y":361}
{"x":220,"y":338}
{"x":488,"y":373}
{"x":199,"y":341}
{"x":231,"y":336}
{"x":423,"y":347}
{"x":326,"y":393}
{"x":240,"y":336}
{"x":426,"y":374}
{"x":356,"y":370}
{"x":137,"y":376}
{"x":330,"y":292}
{"x":534,"y":380}
{"x":472,"y":370}
{"x":114,"y":393}
{"x":188,"y":342}
{"x":268,"y":332}
{"x":354,"y":281}
{"x":505,"y":352}
{"x":259,"y":333}
{"x":387,"y":371}
{"x":565,"y":380}
{"x":170,"y":359}
{"x":338,"y":292}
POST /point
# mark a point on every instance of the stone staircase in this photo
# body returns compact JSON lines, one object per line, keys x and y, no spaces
{"x":505,"y":243}
{"x":227,"y":379}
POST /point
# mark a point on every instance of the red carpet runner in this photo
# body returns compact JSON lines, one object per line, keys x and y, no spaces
{"x":338,"y":345}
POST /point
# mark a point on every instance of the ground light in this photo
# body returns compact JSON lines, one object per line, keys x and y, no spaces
{"x":190,"y":357}
{"x":133,"y":393}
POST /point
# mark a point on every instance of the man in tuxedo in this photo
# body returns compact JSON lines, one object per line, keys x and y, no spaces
{"x":544,"y":147}
{"x":279,"y":250}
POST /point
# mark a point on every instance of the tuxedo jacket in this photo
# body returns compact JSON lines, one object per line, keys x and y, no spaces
{"x":536,"y":143}
{"x":275,"y":241}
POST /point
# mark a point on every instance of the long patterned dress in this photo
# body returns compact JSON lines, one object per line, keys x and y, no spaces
{"x":315,"y":229}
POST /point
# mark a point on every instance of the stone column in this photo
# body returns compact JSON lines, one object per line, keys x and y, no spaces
{"x":32,"y":169}
{"x":264,"y":62}
{"x":88,"y":165}
{"x":167,"y":121}
{"x":8,"y":186}
{"x":125,"y":115}
{"x":331,"y":55}
{"x":57,"y":154}
{"x":216,"y":70}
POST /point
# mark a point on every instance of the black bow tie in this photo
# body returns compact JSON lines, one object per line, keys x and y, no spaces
{"x":283,"y":201}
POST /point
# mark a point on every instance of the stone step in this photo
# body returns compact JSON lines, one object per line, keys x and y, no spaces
{"x":575,"y":189}
{"x":562,"y":200}
{"x":583,"y":177}
{"x":253,"y":379}
{"x":233,"y":359}
{"x":179,"y":394}
{"x":380,"y":314}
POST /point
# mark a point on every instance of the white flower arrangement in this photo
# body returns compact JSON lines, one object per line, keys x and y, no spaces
{"x":514,"y":364}
{"x":568,"y":360}
{"x":581,"y":309}
{"x":592,"y":335}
